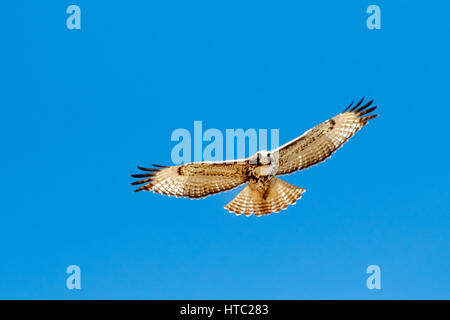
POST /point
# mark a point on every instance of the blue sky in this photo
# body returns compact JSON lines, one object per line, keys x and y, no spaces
{"x":82,"y":108}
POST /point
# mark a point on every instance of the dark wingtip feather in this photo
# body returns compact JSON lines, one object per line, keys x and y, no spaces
{"x":140,"y":189}
{"x":143,"y":175}
{"x":367,"y":111}
{"x":153,"y":171}
{"x":357,"y":105}
{"x":159,"y":166}
{"x":348,"y":106}
{"x":367,"y":118}
{"x":147,"y":169}
{"x":141,"y":181}
{"x":364,"y":106}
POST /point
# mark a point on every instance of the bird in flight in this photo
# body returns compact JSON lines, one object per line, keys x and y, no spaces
{"x":264,"y":192}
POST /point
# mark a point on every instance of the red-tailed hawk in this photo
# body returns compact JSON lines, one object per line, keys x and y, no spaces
{"x":264,"y":193}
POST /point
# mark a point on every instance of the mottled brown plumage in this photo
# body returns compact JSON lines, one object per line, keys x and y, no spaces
{"x":264,"y":193}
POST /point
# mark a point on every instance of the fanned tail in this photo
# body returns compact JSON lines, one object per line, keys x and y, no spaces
{"x":280,"y":195}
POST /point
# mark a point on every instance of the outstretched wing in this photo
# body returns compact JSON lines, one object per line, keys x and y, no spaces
{"x":193,"y":180}
{"x":320,"y":142}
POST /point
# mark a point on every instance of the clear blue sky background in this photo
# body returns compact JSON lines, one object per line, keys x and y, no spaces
{"x":81,"y":109}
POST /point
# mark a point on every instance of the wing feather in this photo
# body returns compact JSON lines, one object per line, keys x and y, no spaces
{"x":320,"y":142}
{"x":194,"y":180}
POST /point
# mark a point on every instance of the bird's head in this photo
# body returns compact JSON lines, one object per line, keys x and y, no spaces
{"x":264,"y":158}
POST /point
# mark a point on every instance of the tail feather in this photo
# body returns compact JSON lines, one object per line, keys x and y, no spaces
{"x":280,"y":195}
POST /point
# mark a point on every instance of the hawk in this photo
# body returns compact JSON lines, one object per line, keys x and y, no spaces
{"x":264,"y":192}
